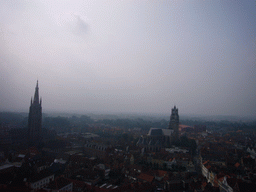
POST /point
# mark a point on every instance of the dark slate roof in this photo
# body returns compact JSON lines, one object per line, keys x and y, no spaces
{"x":160,"y":132}
{"x":155,"y":132}
{"x":41,"y":175}
{"x":167,"y":132}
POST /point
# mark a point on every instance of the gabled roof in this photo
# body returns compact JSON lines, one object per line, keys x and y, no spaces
{"x":204,"y":184}
{"x":59,"y":183}
{"x":206,"y":162}
{"x":161,"y":173}
{"x":208,"y":167}
{"x":41,"y":175}
{"x":155,"y":132}
{"x":221,"y":179}
{"x":167,"y":132}
{"x":78,"y":184}
{"x":146,"y":177}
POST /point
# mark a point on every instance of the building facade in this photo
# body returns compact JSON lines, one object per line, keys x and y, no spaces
{"x":157,"y":138}
{"x":35,"y":119}
{"x":174,"y":123}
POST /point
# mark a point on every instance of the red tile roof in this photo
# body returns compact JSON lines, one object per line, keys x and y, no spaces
{"x":206,"y":162}
{"x":161,"y":173}
{"x":204,"y":184}
{"x":146,"y":177}
{"x":208,"y":167}
{"x":237,"y":165}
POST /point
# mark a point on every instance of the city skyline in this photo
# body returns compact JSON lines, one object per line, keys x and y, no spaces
{"x":129,"y":57}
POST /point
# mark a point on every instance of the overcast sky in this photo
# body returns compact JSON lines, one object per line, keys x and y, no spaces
{"x":129,"y":56}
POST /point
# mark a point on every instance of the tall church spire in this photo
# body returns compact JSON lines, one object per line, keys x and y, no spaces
{"x":35,"y":119}
{"x":36,"y":96}
{"x":174,"y":122}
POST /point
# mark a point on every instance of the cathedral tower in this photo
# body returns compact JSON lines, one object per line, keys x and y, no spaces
{"x":174,"y":123}
{"x":35,"y":118}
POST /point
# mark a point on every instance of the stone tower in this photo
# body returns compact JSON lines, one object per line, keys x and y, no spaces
{"x":35,"y":119}
{"x":174,"y":123}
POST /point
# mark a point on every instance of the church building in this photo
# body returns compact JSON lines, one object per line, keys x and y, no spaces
{"x":35,"y":119}
{"x":161,"y":138}
{"x":174,"y":123}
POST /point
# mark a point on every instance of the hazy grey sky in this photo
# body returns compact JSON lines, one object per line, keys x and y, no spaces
{"x":129,"y":56}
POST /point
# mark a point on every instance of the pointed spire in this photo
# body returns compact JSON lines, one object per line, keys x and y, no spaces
{"x":36,"y":96}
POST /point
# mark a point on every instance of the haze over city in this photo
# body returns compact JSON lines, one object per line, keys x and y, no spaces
{"x":129,"y":56}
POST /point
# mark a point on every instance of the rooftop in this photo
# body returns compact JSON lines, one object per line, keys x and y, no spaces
{"x":155,"y":132}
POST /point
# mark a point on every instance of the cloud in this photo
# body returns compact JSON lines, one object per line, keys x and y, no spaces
{"x":127,"y":55}
{"x":81,"y":27}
